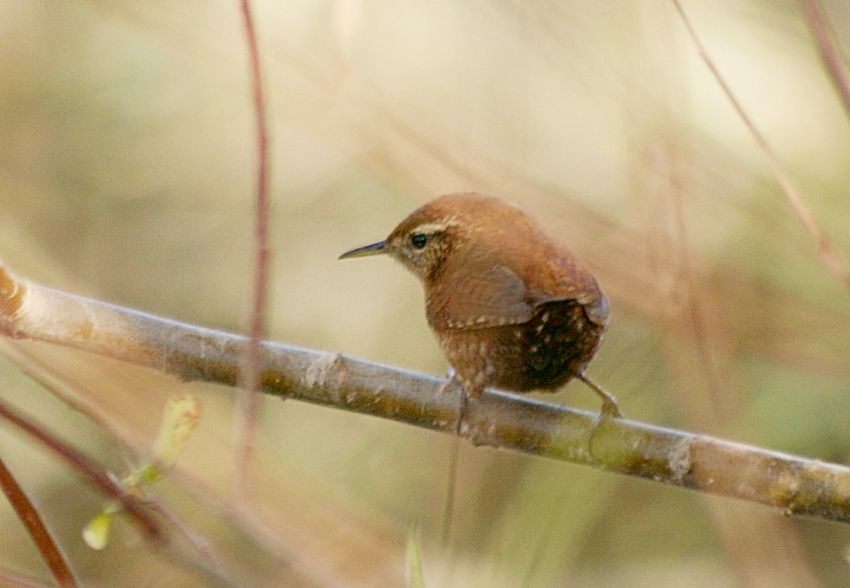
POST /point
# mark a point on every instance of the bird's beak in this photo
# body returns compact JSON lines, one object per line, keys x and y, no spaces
{"x":373,"y":249}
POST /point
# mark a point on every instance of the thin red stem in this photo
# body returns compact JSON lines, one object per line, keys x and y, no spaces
{"x":39,"y":532}
{"x":249,"y":396}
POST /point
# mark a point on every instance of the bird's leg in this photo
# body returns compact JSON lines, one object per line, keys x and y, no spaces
{"x":610,"y":408}
{"x":451,"y":476}
{"x":463,"y":398}
{"x":461,"y":410}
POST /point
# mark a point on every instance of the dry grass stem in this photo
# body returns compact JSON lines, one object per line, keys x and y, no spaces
{"x":827,"y":252}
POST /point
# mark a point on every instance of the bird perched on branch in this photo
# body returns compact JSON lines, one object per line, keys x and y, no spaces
{"x":512,"y":308}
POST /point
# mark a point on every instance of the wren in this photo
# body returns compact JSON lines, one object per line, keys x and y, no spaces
{"x":511,"y":307}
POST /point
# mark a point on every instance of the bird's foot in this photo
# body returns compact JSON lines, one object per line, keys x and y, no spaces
{"x":610,"y":410}
{"x":450,"y":383}
{"x":463,"y":399}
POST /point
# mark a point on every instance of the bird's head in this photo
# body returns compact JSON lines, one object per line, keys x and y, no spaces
{"x":445,"y":227}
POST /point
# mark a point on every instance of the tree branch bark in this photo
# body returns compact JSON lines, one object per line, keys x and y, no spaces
{"x":699,"y":462}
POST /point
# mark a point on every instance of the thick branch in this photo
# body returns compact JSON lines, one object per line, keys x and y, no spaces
{"x":699,"y":462}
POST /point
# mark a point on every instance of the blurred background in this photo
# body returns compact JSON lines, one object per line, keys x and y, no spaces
{"x":127,"y":169}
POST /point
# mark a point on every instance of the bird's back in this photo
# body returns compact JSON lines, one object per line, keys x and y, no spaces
{"x":512,"y":307}
{"x":505,"y":268}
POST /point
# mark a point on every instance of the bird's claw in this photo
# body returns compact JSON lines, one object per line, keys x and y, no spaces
{"x":452,"y":384}
{"x":610,"y":410}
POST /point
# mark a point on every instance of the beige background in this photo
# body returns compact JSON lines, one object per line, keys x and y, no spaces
{"x":126,"y":173}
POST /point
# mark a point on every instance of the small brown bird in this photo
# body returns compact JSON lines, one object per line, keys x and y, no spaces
{"x":511,"y":307}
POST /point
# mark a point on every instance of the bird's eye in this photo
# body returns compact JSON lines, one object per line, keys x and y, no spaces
{"x":419,"y":240}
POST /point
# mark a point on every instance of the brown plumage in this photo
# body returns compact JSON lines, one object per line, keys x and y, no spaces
{"x":511,"y":307}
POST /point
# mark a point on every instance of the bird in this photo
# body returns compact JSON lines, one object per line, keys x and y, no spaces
{"x":511,"y":307}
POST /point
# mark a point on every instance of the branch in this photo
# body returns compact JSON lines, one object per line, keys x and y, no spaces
{"x":31,"y":519}
{"x":204,"y":564}
{"x":88,"y":468}
{"x":793,"y":484}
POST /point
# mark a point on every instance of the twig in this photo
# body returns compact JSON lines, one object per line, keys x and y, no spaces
{"x":792,"y":193}
{"x":39,"y":532}
{"x":825,"y":37}
{"x":248,"y":398}
{"x":132,"y":505}
{"x":794,"y":484}
{"x":88,"y":468}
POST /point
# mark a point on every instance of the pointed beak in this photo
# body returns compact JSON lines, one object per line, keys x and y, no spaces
{"x":373,"y":249}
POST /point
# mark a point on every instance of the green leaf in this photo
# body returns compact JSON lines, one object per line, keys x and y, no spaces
{"x":182,"y":414}
{"x":96,"y":533}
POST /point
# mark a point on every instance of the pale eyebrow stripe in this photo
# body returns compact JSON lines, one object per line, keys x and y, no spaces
{"x":429,"y":228}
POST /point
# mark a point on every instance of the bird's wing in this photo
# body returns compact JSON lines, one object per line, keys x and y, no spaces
{"x":478,"y":297}
{"x":483,"y":295}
